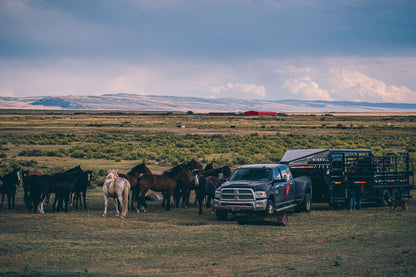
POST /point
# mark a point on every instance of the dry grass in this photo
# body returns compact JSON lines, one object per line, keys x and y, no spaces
{"x":375,"y":241}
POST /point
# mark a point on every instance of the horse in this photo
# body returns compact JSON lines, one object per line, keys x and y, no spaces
{"x":118,"y":188}
{"x":10,"y":182}
{"x":225,"y":171}
{"x":133,"y":177}
{"x":81,"y":187}
{"x":27,"y":184}
{"x":62,"y":184}
{"x":184,"y":185}
{"x":205,"y":186}
{"x":165,"y":183}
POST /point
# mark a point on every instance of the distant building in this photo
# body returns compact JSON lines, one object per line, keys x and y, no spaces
{"x":255,"y":113}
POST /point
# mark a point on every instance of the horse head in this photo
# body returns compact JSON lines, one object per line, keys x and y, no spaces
{"x":112,"y":174}
{"x":139,"y":169}
{"x":194,"y":164}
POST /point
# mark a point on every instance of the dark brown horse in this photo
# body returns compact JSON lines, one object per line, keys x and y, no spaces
{"x":225,"y":171}
{"x":28,"y":181}
{"x":184,"y":185}
{"x":133,"y":177}
{"x":10,"y":182}
{"x":62,"y":184}
{"x":205,"y":187}
{"x":165,"y":183}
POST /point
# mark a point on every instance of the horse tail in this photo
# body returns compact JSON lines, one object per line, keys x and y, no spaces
{"x":126,"y":197}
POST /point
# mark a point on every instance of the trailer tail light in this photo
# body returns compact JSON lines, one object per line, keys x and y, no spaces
{"x":379,"y":181}
{"x":391,"y":181}
{"x":337,"y":183}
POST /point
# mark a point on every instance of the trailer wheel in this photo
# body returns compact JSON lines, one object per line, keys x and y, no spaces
{"x":221,"y":215}
{"x":396,"y":194}
{"x":385,"y":196}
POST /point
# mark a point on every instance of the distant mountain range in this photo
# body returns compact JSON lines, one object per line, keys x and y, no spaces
{"x":133,"y":102}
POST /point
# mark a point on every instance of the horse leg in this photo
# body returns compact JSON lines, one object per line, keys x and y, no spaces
{"x":105,"y":205}
{"x":2,"y":199}
{"x":143,"y":201}
{"x":65,"y":198}
{"x":120,"y":202}
{"x":9,"y":199}
{"x":13,"y":196}
{"x":83,"y":197}
{"x":133,"y":194}
{"x":116,"y":204}
{"x":167,"y":197}
{"x":199,"y":198}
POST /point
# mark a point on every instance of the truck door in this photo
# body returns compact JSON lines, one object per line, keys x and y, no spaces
{"x":279,"y":187}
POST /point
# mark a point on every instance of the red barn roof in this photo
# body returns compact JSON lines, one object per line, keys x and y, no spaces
{"x":255,"y":113}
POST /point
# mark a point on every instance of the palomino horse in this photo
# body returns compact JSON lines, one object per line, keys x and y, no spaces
{"x":165,"y":183}
{"x":119,"y":189}
{"x":133,"y":177}
{"x":10,"y":182}
{"x":205,"y":186}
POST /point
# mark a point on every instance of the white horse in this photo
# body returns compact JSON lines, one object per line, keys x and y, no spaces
{"x":118,"y":188}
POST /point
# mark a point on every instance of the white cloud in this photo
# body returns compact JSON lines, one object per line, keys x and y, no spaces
{"x":240,"y":89}
{"x":306,"y":89}
{"x":353,"y":85}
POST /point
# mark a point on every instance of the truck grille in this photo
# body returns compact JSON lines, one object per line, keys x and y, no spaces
{"x":237,"y":194}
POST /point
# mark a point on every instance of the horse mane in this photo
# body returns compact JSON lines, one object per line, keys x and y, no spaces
{"x":175,"y":170}
{"x":137,"y":167}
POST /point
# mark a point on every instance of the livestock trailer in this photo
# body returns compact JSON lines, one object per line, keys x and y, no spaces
{"x":334,"y":172}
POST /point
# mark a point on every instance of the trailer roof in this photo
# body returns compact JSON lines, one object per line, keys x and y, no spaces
{"x":292,"y":155}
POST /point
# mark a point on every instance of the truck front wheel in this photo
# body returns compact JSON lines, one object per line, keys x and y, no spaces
{"x":270,"y":207}
{"x":221,"y":215}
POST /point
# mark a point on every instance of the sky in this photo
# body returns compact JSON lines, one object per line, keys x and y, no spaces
{"x":343,"y":50}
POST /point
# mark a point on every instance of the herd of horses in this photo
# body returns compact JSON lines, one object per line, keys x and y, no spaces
{"x":177,"y":182}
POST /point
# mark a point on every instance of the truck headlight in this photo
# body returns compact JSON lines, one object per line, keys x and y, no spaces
{"x":218,"y":194}
{"x":261,"y":194}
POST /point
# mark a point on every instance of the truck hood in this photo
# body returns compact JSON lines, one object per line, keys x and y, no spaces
{"x":255,"y":185}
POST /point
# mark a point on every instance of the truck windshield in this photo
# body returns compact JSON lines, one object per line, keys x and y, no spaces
{"x":252,"y":174}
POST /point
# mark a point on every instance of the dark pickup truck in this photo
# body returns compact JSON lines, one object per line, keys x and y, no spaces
{"x":262,"y":189}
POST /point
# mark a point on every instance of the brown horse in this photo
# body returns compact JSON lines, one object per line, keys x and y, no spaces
{"x":165,"y":183}
{"x":185,"y":184}
{"x":133,"y":177}
{"x":225,"y":171}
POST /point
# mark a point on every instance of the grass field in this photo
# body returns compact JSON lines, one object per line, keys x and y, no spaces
{"x":375,"y":241}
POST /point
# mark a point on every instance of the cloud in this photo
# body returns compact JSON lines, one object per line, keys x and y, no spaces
{"x":353,"y":85}
{"x":306,"y":89}
{"x":343,"y":85}
{"x":240,"y":90}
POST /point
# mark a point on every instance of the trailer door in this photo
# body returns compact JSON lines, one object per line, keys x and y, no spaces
{"x":337,"y":176}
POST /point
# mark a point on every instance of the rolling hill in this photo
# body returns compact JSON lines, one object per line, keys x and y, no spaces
{"x":136,"y":102}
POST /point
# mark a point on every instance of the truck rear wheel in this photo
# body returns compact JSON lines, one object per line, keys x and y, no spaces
{"x":221,"y":215}
{"x":305,"y":205}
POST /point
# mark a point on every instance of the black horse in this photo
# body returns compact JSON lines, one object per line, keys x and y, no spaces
{"x":62,"y":184}
{"x":205,"y":187}
{"x":81,"y":187}
{"x":10,"y":182}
